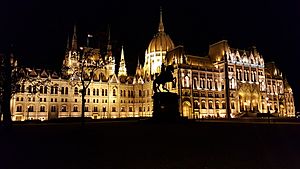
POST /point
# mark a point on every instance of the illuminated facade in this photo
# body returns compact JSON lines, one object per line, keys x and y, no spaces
{"x":254,"y":86}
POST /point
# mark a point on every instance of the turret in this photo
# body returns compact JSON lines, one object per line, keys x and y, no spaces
{"x":122,"y":67}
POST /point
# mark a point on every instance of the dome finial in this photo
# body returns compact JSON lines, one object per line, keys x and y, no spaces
{"x":161,"y":25}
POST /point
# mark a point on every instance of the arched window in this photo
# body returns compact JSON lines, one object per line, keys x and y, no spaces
{"x":210,"y":104}
{"x":64,"y":108}
{"x":41,"y":89}
{"x":186,"y":81}
{"x":53,"y":108}
{"x":94,"y":92}
{"x":29,"y":89}
{"x":196,"y":104}
{"x":140,"y":93}
{"x":56,"y":90}
{"x":232,"y":105}
{"x":62,"y":91}
{"x":30,"y":109}
{"x":89,"y":91}
{"x":203,"y":104}
{"x":19,"y":108}
{"x":76,"y":90}
{"x":217,"y":104}
{"x":66,"y":90}
{"x":45,"y":90}
{"x":223,"y":105}
{"x":52,"y":90}
{"x":97,"y":92}
{"x":75,"y":109}
{"x":42,"y":109}
{"x":195,"y":83}
{"x":114,"y":92}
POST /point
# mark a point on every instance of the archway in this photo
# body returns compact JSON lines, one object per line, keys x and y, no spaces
{"x":187,"y":109}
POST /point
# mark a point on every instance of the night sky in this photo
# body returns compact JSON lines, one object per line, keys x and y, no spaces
{"x":38,"y":30}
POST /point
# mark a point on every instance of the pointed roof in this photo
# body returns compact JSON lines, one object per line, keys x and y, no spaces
{"x":74,"y":39}
{"x":122,"y":54}
{"x":161,"y":24}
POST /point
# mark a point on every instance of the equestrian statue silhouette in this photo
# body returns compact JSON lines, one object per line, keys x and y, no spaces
{"x":166,"y":75}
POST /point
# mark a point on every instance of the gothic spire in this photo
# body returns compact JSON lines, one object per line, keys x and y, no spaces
{"x":74,"y":39}
{"x":161,"y":24}
{"x":108,"y":38}
{"x":122,"y":67}
{"x":68,"y":43}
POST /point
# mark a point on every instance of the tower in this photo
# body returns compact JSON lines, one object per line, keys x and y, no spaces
{"x":157,"y":49}
{"x":122,"y":67}
{"x":72,"y":54}
{"x":109,"y":58}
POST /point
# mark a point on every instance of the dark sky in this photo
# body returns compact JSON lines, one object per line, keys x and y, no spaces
{"x":38,"y":29}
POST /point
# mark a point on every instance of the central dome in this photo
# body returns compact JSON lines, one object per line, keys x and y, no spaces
{"x":161,"y":41}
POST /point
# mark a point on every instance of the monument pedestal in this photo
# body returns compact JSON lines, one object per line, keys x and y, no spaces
{"x":166,"y":107}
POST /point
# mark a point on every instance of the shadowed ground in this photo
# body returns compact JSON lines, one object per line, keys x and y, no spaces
{"x":140,"y":145}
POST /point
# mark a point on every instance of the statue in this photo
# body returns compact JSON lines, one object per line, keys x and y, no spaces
{"x":165,"y":76}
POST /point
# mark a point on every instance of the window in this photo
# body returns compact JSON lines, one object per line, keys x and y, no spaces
{"x":113,"y":109}
{"x":128,"y":93}
{"x":45,"y":99}
{"x":210,"y":105}
{"x":196,"y":104}
{"x":30,"y":109}
{"x":55,"y":99}
{"x":29,"y":89}
{"x":88,"y":91}
{"x":121,"y":93}
{"x":232,"y":105}
{"x":97,"y":92}
{"x":41,"y":99}
{"x":75,"y":109}
{"x":195,"y":83}
{"x":63,"y":108}
{"x":105,"y":92}
{"x":67,"y":90}
{"x":114,"y":101}
{"x":102,"y":92}
{"x":130,"y":109}
{"x":223,"y":105}
{"x":53,"y":108}
{"x":104,"y":109}
{"x":19,"y":108}
{"x":62,"y":91}
{"x":42,"y":109}
{"x":17,"y":99}
{"x":94,"y":92}
{"x":203,"y":104}
{"x":56,"y":90}
{"x":86,"y":109}
{"x":95,"y":109}
{"x":41,"y":89}
{"x":21,"y":98}
{"x":45,"y":90}
{"x":34,"y":89}
{"x":66,"y":100}
{"x":114,"y":92}
{"x":217,"y":105}
{"x":76,"y":91}
{"x":52,"y":90}
{"x":140,"y":109}
{"x":140,"y":93}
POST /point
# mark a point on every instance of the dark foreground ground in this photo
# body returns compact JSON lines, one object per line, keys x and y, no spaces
{"x":140,"y":145}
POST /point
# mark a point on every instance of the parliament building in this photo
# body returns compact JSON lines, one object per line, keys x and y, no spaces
{"x":253,"y":87}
